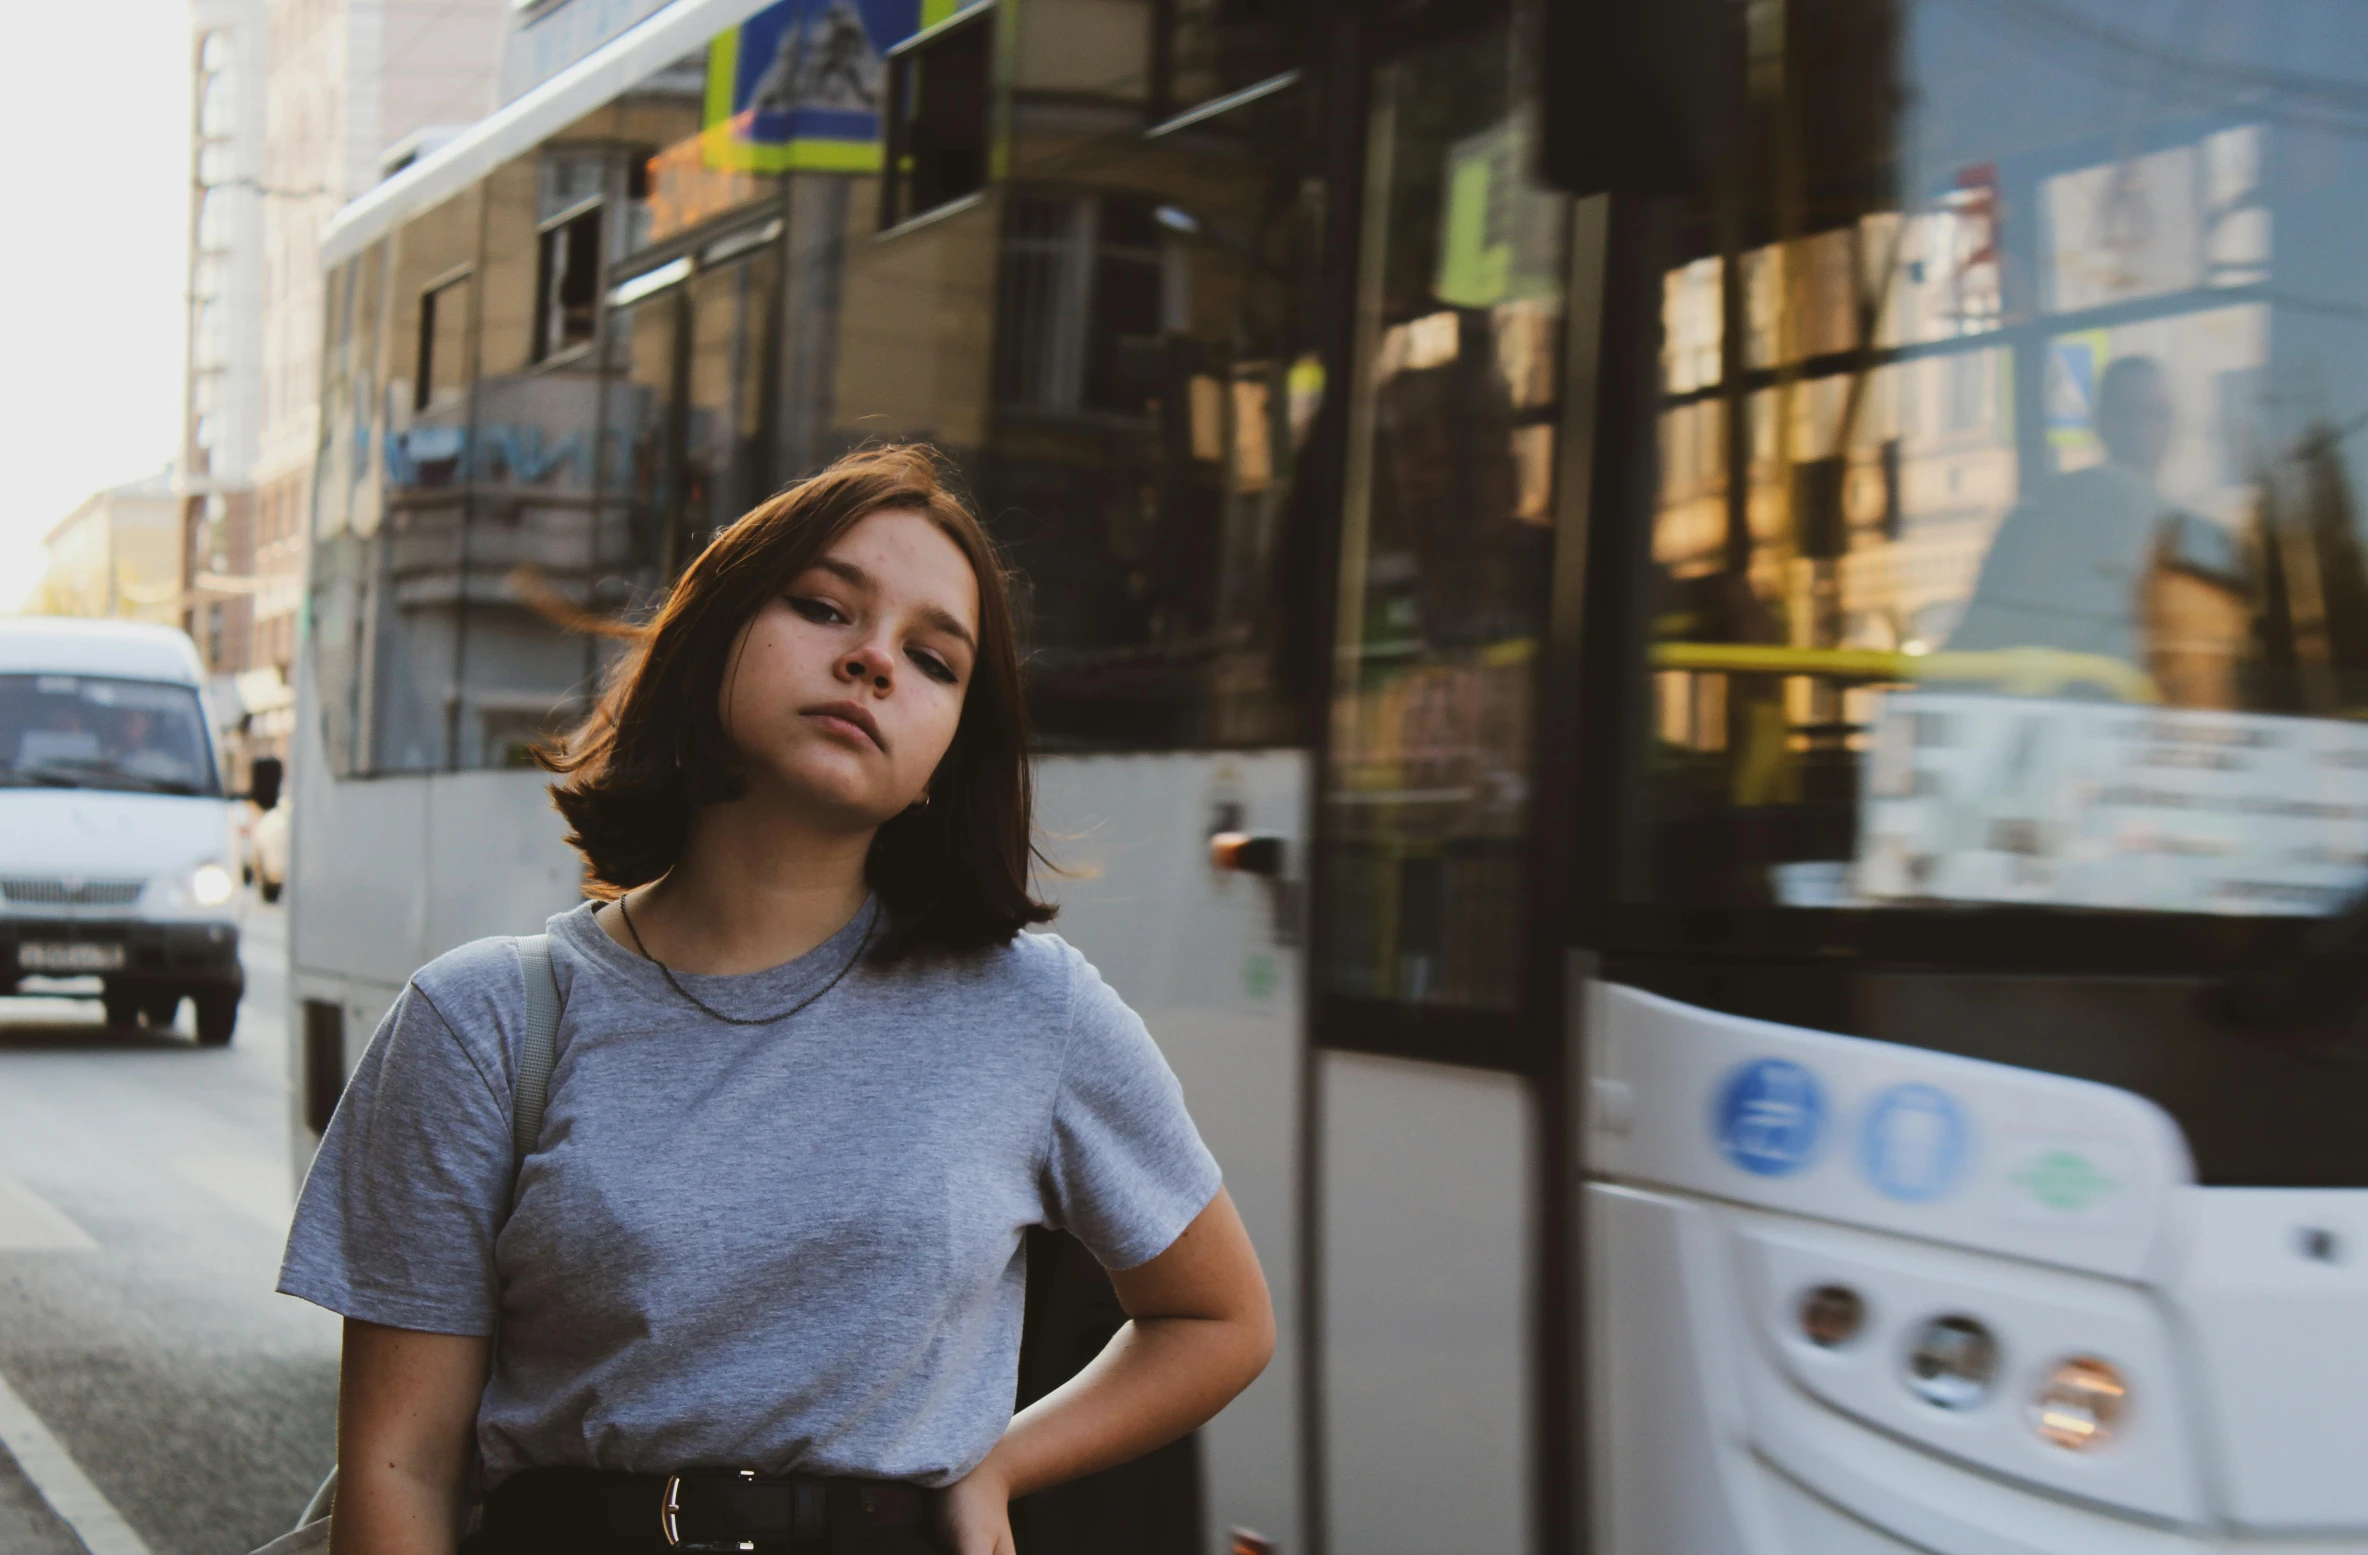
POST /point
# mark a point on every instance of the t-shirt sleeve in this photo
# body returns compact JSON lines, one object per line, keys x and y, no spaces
{"x":398,"y":1216}
{"x":1127,"y":1171}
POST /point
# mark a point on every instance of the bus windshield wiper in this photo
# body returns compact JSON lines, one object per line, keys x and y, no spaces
{"x":37,"y":777}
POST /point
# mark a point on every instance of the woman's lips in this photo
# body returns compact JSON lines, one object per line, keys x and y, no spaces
{"x":848,"y":720}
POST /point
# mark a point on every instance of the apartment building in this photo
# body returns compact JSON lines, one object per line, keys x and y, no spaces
{"x":301,"y":105}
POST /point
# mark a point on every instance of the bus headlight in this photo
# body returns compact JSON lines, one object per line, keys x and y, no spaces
{"x":210,"y":885}
{"x":1952,"y":1362}
{"x":1831,"y":1316}
{"x":2080,"y":1405}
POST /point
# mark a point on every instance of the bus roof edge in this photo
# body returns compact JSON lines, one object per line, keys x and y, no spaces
{"x":600,"y":76}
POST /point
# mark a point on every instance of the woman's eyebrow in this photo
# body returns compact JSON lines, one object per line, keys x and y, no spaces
{"x":945,"y":621}
{"x":855,"y":577}
{"x":846,"y":572}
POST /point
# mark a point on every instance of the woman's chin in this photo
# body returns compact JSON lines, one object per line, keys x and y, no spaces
{"x":824,"y":793}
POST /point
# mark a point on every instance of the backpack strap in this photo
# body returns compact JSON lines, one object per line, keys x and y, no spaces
{"x":540,"y":1048}
{"x":536,"y":1053}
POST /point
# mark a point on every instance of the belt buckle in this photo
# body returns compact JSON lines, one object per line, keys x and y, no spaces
{"x":670,"y":1513}
{"x":670,"y":1507}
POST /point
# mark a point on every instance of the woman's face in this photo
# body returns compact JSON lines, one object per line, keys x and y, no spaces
{"x":844,"y":690}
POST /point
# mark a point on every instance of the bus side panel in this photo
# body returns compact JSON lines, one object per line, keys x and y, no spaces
{"x":355,"y":853}
{"x":496,"y":862}
{"x":1206,"y":959}
{"x":357,"y":875}
{"x":1427,"y":1258}
{"x":1666,"y":1410}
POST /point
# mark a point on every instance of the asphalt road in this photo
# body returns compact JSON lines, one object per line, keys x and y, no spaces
{"x":144,"y":1193}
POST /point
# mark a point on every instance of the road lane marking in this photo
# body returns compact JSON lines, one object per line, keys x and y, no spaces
{"x":256,"y":1186}
{"x":62,"y":1484}
{"x":30,"y":1224}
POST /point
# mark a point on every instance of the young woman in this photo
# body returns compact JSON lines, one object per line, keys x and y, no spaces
{"x":759,"y":1284}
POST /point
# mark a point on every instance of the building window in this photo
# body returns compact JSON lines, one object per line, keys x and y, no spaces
{"x":939,"y":88}
{"x":567,"y":284}
{"x":1203,"y":50}
{"x":443,"y":345}
{"x":1081,"y":305}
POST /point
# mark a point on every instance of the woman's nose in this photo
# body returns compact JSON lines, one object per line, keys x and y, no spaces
{"x":866,"y":664}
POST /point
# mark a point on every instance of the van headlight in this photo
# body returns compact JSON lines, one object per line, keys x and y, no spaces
{"x":210,"y":885}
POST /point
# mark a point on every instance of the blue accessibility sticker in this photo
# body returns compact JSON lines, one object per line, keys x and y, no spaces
{"x":1915,"y":1143}
{"x":1770,"y":1117}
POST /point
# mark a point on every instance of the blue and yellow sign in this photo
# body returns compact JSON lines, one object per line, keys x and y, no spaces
{"x":801,"y":84}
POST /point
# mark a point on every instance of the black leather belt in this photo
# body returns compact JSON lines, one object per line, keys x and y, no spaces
{"x":700,"y":1510}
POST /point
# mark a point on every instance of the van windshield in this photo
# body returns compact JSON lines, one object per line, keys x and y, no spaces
{"x":91,"y":731}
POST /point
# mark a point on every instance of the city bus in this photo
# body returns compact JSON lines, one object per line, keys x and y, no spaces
{"x":1705,"y":665}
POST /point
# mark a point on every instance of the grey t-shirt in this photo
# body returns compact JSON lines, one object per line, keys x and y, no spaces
{"x":793,"y":1246}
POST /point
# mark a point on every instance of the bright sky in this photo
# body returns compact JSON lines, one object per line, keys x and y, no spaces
{"x":92,"y":273}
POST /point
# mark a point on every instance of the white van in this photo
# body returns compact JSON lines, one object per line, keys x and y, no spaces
{"x":117,"y":855}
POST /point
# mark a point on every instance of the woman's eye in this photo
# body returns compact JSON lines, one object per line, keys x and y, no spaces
{"x":935,"y":668}
{"x":815,"y":610}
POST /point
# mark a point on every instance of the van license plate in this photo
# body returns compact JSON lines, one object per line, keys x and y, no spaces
{"x":72,"y":956}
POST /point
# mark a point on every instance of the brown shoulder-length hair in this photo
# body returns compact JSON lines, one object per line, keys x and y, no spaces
{"x":951,"y":875}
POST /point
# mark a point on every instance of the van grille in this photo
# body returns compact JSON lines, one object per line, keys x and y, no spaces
{"x":35,"y":892}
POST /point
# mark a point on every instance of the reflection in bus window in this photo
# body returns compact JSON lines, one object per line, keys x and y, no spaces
{"x":1150,"y":383}
{"x":566,"y":300}
{"x":939,"y":123}
{"x":1208,"y":49}
{"x":2005,"y":546}
{"x":649,"y":321}
{"x":2065,"y":569}
{"x":1445,"y":541}
{"x":414,"y":605}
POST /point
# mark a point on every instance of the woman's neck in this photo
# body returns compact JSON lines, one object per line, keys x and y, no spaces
{"x":754,"y":890}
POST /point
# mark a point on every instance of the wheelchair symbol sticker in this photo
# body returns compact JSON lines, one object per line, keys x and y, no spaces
{"x":1770,"y":1119}
{"x":1915,"y":1144}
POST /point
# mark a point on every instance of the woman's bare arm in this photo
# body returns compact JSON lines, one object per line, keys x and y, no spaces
{"x":1202,"y":1327}
{"x":406,"y":1413}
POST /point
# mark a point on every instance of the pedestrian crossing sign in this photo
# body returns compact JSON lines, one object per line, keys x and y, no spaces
{"x":801,"y":85}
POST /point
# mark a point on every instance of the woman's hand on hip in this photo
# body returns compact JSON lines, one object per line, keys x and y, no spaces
{"x":978,"y":1512}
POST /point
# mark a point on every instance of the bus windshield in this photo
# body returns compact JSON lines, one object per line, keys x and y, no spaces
{"x":92,"y":731}
{"x":2005,"y":546}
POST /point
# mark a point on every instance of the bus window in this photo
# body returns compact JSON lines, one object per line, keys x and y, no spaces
{"x":938,"y":128}
{"x":1445,"y":541}
{"x":339,"y":472}
{"x":735,"y":314}
{"x":626,"y":336}
{"x":412,"y":616}
{"x":1204,"y":50}
{"x":443,"y":346}
{"x":646,"y":339}
{"x":568,"y":264}
{"x":1117,"y":342}
{"x":2005,"y":548}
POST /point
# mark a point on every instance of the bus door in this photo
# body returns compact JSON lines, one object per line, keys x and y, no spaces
{"x":1975,"y":644}
{"x":1432,"y":1019}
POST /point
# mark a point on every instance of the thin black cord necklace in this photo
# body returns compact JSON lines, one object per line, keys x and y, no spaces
{"x":734,"y":1020}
